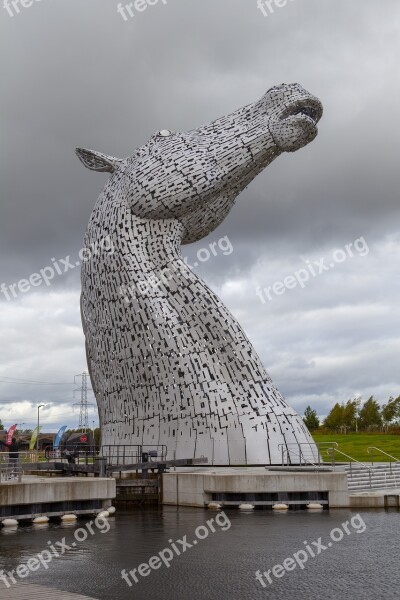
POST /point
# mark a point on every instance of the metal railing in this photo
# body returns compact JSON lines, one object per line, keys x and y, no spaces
{"x":10,"y":467}
{"x":133,"y":454}
{"x":27,"y":456}
{"x":286,"y":450}
{"x":331,"y":444}
{"x":325,"y":446}
{"x":351,"y":461}
{"x":394,"y":479}
{"x":286,"y":453}
{"x":73,"y":454}
{"x":392,"y":458}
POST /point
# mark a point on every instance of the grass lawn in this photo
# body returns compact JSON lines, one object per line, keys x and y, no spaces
{"x":356,"y":445}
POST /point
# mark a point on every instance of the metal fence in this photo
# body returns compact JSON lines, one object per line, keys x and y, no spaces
{"x":10,"y":467}
{"x":133,"y":454}
{"x":77,"y":455}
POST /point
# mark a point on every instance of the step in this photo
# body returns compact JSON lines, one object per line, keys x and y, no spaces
{"x":374,"y":484}
{"x":395,"y":467}
{"x":375,"y":475}
{"x":383,"y":482}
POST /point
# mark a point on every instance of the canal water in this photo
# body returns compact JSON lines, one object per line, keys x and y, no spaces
{"x":356,"y":555}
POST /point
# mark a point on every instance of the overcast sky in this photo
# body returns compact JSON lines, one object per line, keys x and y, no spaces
{"x":74,"y":73}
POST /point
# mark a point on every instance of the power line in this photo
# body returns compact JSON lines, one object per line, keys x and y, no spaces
{"x":60,"y":402}
{"x":15,"y":380}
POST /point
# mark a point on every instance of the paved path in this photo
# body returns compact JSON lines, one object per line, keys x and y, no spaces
{"x":26,"y":591}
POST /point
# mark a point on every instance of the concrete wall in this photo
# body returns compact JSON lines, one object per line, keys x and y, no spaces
{"x":65,"y":489}
{"x":388,"y":498}
{"x":195,"y":489}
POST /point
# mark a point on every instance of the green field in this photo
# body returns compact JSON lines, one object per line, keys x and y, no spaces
{"x":356,"y":445}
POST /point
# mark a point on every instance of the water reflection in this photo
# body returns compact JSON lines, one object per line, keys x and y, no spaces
{"x":9,"y":530}
{"x":360,"y":567}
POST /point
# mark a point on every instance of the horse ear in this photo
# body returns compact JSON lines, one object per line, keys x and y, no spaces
{"x":96,"y":161}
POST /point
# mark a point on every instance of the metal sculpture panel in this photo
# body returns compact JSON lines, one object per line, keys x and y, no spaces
{"x":168,"y":362}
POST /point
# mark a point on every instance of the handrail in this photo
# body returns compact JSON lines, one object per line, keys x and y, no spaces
{"x":351,"y":462}
{"x":32,"y":456}
{"x":302,"y":457}
{"x":327,"y":444}
{"x":123,"y":454}
{"x":300,"y":454}
{"x":10,"y":467}
{"x":23,"y":456}
{"x":383,"y":452}
{"x":309,"y":445}
{"x":350,"y":457}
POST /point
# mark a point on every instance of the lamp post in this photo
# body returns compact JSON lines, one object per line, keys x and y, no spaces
{"x":37,"y":439}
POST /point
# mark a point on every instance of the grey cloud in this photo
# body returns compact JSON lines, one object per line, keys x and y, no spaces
{"x":78,"y":75}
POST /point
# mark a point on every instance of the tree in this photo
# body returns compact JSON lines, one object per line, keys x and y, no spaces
{"x":370,"y":414}
{"x":343,"y":416}
{"x":311,"y":419}
{"x":335,"y":418}
{"x":390,"y":411}
{"x":1,"y":426}
{"x":397,"y":401}
{"x":350,"y":413}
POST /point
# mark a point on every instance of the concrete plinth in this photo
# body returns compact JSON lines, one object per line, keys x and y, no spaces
{"x":387,"y":498}
{"x":232,"y":486}
{"x":36,"y":496}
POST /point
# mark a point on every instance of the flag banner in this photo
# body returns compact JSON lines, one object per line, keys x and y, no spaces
{"x":34,"y":437}
{"x":59,"y":437}
{"x":10,"y":434}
